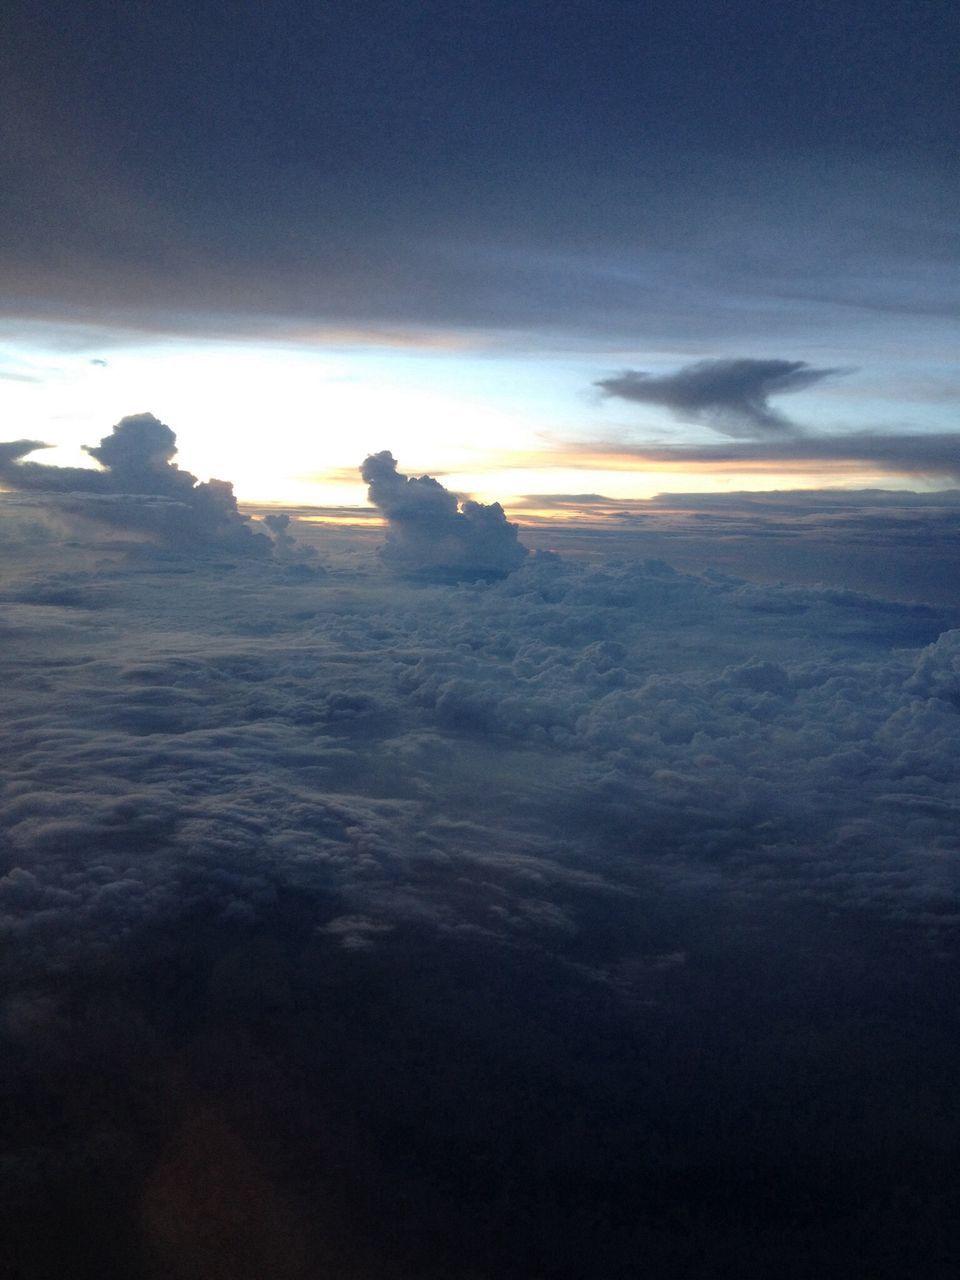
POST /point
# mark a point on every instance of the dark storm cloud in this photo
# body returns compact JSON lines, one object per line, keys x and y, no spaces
{"x":430,"y":529}
{"x":732,"y":396}
{"x":139,"y":487}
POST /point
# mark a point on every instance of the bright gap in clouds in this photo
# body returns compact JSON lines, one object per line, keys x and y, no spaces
{"x":289,"y":421}
{"x":284,"y":424}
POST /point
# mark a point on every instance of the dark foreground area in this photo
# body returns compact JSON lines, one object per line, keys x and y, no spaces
{"x":237,"y":1100}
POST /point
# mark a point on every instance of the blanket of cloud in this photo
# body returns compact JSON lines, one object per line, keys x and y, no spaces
{"x":896,"y":544}
{"x":596,"y":921}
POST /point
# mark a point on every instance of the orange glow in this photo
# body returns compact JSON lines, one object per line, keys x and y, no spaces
{"x":334,"y":336}
{"x":351,"y":521}
{"x":639,"y":463}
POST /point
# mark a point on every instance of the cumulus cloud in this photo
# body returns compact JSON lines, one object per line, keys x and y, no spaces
{"x":140,"y":487}
{"x":308,"y":728}
{"x":430,"y":529}
{"x":731,"y":396}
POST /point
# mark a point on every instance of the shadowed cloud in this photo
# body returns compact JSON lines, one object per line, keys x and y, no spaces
{"x":731,"y":396}
{"x":13,"y":450}
{"x":140,"y":488}
{"x":928,"y":454}
{"x":543,"y":926}
{"x":431,"y":530}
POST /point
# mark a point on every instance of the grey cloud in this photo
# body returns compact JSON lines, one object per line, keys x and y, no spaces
{"x":278,"y":522}
{"x":919,"y":453}
{"x":316,"y":751}
{"x":896,"y":544}
{"x":12,"y":451}
{"x":431,"y":530}
{"x":138,"y":453}
{"x":299,"y":853}
{"x":139,"y":487}
{"x":732,"y":396}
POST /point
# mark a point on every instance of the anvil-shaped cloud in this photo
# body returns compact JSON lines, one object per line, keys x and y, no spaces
{"x":732,"y":396}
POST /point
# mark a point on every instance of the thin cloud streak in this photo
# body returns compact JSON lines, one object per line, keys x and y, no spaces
{"x":936,"y":455}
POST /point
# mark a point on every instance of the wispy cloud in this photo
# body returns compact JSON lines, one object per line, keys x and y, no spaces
{"x":935,"y":455}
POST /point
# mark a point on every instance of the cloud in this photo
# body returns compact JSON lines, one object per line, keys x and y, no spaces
{"x":931,"y":454}
{"x":430,"y":530}
{"x":731,"y":396}
{"x":139,"y":487}
{"x":896,"y":544}
{"x":304,"y":732}
{"x":139,"y":453}
{"x":12,"y":451}
{"x":420,"y":891}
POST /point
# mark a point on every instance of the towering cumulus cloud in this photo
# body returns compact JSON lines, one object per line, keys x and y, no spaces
{"x":140,"y":487}
{"x":430,"y":530}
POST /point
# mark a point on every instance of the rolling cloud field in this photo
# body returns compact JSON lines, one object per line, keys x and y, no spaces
{"x":464,"y":908}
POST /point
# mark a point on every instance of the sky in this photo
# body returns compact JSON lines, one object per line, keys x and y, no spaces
{"x":468,"y":233}
{"x":479,"y":641}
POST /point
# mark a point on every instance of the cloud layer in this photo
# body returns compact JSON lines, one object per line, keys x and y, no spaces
{"x":894,"y":544}
{"x":934,"y":455}
{"x":560,"y":922}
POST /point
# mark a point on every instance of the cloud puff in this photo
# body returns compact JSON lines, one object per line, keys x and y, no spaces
{"x":139,"y":455}
{"x":731,"y":396}
{"x":140,"y":487}
{"x":430,"y":530}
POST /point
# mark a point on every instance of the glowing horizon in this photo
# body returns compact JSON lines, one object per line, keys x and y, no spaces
{"x":289,"y":420}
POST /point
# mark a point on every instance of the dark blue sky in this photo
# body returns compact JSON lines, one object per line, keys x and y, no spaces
{"x":305,"y":150}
